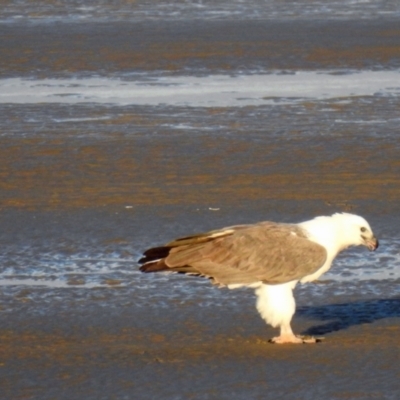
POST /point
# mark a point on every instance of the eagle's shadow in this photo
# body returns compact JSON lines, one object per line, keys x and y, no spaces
{"x":344,"y":315}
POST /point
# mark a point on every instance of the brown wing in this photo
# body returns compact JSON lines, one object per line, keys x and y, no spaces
{"x":244,"y":254}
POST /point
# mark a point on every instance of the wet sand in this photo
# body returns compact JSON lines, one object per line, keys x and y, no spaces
{"x":112,"y":187}
{"x":185,"y":351}
{"x":108,"y":342}
{"x":208,"y":46}
{"x":61,"y":171}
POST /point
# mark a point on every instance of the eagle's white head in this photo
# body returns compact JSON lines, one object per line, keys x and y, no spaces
{"x":341,"y":230}
{"x":356,"y":230}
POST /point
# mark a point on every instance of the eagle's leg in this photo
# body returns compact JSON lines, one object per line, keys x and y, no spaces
{"x":276,"y":305}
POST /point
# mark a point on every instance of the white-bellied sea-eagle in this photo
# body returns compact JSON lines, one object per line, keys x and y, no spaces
{"x":268,"y":256}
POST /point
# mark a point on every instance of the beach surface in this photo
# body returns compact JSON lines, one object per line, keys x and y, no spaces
{"x":128,"y":125}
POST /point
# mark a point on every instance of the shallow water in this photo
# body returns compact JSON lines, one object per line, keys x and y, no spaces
{"x":210,"y":91}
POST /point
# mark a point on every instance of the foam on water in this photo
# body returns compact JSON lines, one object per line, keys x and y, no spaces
{"x":79,"y":10}
{"x":209,"y":91}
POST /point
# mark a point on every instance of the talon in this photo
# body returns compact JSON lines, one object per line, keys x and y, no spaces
{"x":308,"y":339}
{"x":311,"y":339}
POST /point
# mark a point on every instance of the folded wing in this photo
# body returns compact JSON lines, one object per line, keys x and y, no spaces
{"x":244,"y":254}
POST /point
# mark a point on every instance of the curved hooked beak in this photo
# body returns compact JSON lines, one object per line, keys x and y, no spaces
{"x":372,"y":243}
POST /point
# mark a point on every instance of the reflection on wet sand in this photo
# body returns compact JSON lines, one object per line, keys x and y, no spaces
{"x":72,"y":173}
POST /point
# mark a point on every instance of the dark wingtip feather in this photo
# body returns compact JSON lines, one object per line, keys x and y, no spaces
{"x":155,"y":253}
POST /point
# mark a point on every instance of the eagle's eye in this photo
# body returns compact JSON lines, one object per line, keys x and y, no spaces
{"x":363,"y":229}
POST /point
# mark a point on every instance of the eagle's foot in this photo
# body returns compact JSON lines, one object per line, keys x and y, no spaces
{"x":309,"y":339}
{"x":282,"y":339}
